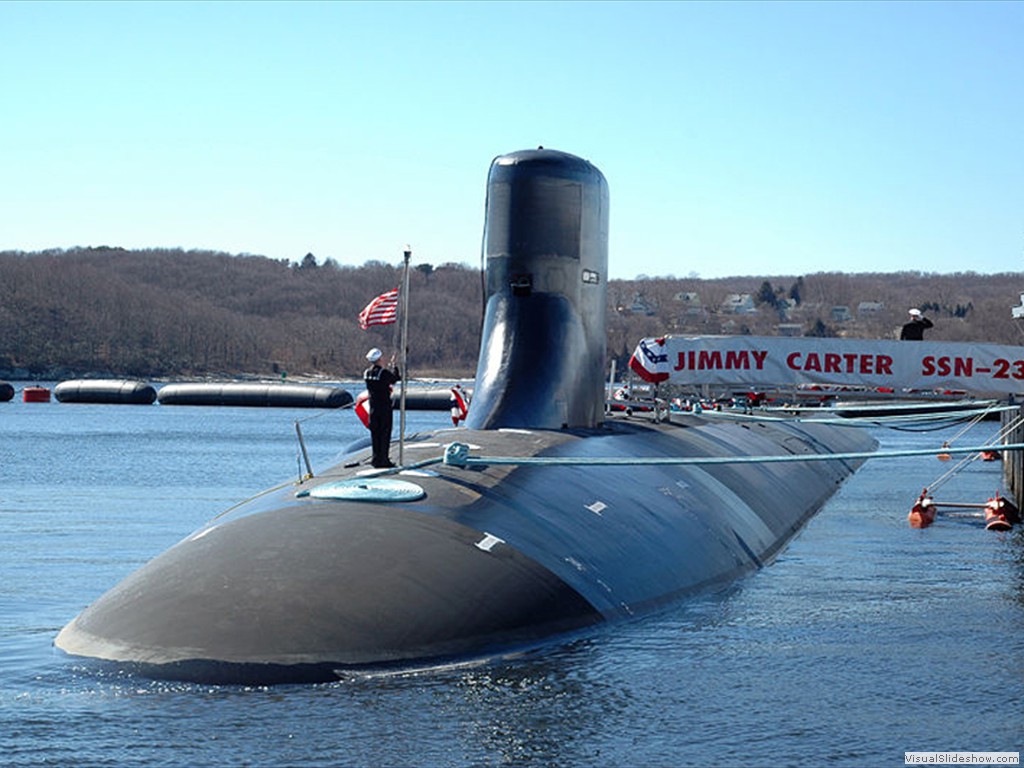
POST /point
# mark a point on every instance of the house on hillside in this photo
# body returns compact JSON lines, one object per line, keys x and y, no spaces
{"x":739,"y":304}
{"x":692,"y":305}
{"x":642,"y":305}
{"x":869,"y":308}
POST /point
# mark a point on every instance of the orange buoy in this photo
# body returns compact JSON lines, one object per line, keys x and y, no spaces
{"x":35,"y":395}
{"x":922,"y":514}
{"x":1000,"y":514}
{"x":990,"y":456}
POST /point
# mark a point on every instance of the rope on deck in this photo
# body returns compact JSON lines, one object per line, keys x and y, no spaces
{"x":457,"y":455}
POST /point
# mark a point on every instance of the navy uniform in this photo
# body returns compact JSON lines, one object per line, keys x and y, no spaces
{"x":914,"y":330}
{"x":379,"y":381}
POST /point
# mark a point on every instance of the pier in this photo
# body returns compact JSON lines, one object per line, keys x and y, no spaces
{"x":1012,"y":423}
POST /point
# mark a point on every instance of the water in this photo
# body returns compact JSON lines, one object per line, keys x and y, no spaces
{"x":864,"y":639}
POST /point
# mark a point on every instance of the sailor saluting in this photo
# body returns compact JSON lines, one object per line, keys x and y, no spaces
{"x":379,"y":381}
{"x":914,"y":329}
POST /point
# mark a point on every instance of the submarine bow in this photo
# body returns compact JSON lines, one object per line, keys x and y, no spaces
{"x":358,"y":568}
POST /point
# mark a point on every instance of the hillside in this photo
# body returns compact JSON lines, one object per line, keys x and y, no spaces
{"x":165,"y":313}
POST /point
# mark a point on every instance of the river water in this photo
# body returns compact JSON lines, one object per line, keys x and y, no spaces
{"x":864,"y":639}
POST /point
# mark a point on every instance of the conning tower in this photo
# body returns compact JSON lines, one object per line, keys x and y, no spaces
{"x":542,"y":355}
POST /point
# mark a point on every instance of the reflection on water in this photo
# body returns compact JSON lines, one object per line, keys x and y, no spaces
{"x":864,"y":639}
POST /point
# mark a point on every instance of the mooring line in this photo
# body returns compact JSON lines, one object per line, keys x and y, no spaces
{"x":457,"y":455}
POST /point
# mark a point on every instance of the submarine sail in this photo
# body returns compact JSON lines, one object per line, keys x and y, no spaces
{"x":361,"y":568}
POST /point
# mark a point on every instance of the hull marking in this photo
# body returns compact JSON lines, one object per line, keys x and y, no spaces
{"x":488,"y":542}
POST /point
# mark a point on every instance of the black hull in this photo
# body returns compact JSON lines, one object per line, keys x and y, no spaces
{"x":290,"y":588}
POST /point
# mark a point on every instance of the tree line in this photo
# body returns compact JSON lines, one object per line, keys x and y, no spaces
{"x":190,"y":313}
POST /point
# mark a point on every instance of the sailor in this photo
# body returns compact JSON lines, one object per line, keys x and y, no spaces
{"x":379,"y":381}
{"x":915,"y":328}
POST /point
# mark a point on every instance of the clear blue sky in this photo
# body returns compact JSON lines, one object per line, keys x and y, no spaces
{"x":748,"y":138}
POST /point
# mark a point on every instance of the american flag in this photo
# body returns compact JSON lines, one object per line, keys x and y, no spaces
{"x":383,"y":310}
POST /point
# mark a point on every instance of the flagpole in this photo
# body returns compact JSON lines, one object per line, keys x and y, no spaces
{"x":405,"y":355}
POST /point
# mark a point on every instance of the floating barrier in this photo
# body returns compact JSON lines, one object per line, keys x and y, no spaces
{"x":421,"y":400}
{"x":120,"y":391}
{"x":261,"y":395}
{"x":425,"y":399}
{"x":6,"y":391}
{"x":35,"y":395}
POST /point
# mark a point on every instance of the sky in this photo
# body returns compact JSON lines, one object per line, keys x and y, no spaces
{"x":747,"y":138}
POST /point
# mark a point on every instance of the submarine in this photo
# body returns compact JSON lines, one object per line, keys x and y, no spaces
{"x":539,"y":519}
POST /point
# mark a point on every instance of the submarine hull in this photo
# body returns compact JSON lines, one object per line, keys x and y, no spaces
{"x":293,"y":588}
{"x":447,"y":562}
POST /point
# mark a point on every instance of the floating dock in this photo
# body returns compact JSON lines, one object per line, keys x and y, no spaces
{"x":432,"y":399}
{"x":119,"y":391}
{"x":257,"y":395}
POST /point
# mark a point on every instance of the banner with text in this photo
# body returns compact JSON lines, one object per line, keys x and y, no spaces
{"x":760,"y":362}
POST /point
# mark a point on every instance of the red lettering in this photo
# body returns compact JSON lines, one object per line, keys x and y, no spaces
{"x":759,"y":356}
{"x":846,"y":362}
{"x":963,"y":366}
{"x":709,"y":360}
{"x":945,"y":366}
{"x":736,"y":360}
